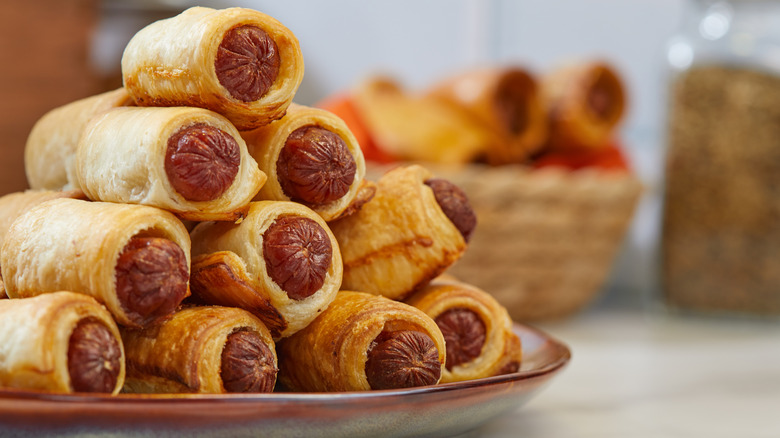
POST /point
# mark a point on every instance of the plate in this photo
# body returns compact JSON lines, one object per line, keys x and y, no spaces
{"x":438,"y":410}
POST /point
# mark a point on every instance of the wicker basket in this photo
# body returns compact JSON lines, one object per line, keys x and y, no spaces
{"x":545,"y":239}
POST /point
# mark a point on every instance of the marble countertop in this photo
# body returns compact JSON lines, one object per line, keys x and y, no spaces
{"x":641,"y":373}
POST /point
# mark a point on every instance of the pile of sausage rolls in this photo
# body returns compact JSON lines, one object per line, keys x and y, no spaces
{"x":195,"y":231}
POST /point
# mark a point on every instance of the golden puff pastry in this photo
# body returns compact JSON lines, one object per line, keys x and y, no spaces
{"x":415,"y":227}
{"x":363,"y":342}
{"x":15,"y":204}
{"x":311,"y":157}
{"x":281,"y":263}
{"x":238,"y":62}
{"x":418,"y":128}
{"x":60,"y":342}
{"x":133,"y":259}
{"x":189,"y":161}
{"x":50,"y":152}
{"x":476,"y":328}
{"x":206,"y":349}
{"x":507,"y":102}
{"x":586,"y":101}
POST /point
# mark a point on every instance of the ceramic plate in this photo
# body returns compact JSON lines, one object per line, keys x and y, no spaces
{"x":440,"y":410}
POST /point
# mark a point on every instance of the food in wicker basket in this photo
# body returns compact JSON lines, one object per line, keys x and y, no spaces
{"x":400,"y":122}
{"x":507,"y":102}
{"x":547,"y":237}
{"x":585,"y":102}
{"x":552,"y":219}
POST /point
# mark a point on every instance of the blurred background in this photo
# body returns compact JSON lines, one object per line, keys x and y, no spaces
{"x":74,"y":48}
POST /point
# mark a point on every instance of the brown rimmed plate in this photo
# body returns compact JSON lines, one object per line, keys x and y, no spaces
{"x":440,"y":410}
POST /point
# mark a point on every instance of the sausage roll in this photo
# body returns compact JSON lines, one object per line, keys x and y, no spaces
{"x":238,"y":62}
{"x":585,"y":103}
{"x":507,"y":102}
{"x":49,"y":156}
{"x":133,"y":259}
{"x":281,"y":263}
{"x":476,"y":328}
{"x":418,"y":128}
{"x":415,"y":227}
{"x":189,"y":161}
{"x":201,"y":350}
{"x":311,"y":157}
{"x":60,"y":342}
{"x":363,"y":342}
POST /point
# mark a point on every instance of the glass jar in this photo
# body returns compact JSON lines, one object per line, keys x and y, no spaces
{"x":721,"y":222}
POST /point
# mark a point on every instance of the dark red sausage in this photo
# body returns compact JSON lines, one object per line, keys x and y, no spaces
{"x":600,"y":98}
{"x":315,"y":166}
{"x":512,"y":96}
{"x":455,"y":205}
{"x":247,"y":364}
{"x":464,"y":334}
{"x":402,"y":359}
{"x":297,"y":254}
{"x":247,"y":63}
{"x":151,"y":278}
{"x":94,"y":358}
{"x":201,"y":162}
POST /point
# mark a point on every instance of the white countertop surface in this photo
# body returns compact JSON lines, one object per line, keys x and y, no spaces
{"x":641,"y":373}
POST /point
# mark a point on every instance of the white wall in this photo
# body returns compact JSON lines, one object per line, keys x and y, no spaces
{"x":420,"y":41}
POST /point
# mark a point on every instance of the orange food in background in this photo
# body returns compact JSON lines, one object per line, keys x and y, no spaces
{"x":572,"y":87}
{"x":610,"y":157}
{"x":342,"y":106}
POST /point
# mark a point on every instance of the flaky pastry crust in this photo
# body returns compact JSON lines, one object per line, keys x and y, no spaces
{"x":400,"y":240}
{"x":36,"y":335}
{"x":68,"y":244}
{"x":171,"y":63}
{"x":121,"y":158}
{"x":184,"y":353}
{"x":229,"y":268}
{"x":331,"y":353}
{"x":266,"y":143}
{"x":502,"y":346}
{"x":15,"y":204}
{"x":50,"y":151}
